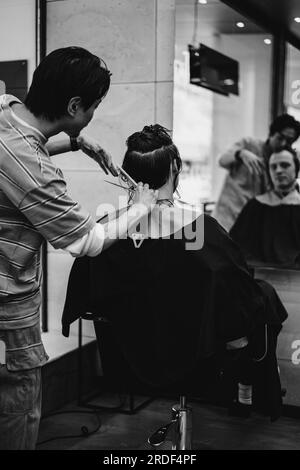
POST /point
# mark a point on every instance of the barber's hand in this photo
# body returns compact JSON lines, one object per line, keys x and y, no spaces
{"x":254,"y":164}
{"x":144,"y":195}
{"x":94,"y":150}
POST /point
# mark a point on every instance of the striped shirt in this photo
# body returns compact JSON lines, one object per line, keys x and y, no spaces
{"x":34,"y":205}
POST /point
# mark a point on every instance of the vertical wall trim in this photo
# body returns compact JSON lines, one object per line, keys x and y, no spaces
{"x":155,"y":58}
{"x":278,"y":75}
{"x":40,"y":28}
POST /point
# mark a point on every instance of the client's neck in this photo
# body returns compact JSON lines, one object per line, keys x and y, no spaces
{"x":282,"y":192}
{"x":166,"y":191}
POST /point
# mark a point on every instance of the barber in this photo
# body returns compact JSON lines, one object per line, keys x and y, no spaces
{"x":67,"y":87}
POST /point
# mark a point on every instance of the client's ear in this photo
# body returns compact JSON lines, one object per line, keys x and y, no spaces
{"x":174,"y":167}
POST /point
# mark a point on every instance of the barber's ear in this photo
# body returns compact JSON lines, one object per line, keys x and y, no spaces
{"x":74,"y":105}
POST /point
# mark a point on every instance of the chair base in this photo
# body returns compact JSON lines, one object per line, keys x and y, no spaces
{"x":179,"y":428}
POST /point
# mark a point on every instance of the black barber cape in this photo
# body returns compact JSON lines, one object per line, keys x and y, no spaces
{"x":170,"y":307}
{"x":269,"y":233}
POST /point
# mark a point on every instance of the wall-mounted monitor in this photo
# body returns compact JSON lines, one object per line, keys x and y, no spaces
{"x":213,"y":70}
{"x":13,"y":78}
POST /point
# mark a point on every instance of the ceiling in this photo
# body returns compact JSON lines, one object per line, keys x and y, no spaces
{"x":278,"y":15}
{"x":267,"y":15}
{"x":213,"y":18}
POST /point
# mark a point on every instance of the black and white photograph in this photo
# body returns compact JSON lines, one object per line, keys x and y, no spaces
{"x":149,"y":229}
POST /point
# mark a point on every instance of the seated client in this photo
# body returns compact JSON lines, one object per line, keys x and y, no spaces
{"x":268,"y":228}
{"x":177,"y":290}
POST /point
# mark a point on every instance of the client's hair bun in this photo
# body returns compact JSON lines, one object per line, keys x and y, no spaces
{"x":150,"y":138}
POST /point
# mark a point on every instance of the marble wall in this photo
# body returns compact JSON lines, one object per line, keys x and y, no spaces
{"x":136,"y":40}
{"x":19,"y":15}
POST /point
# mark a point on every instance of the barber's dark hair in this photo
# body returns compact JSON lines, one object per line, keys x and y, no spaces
{"x":149,"y":155}
{"x":282,"y":122}
{"x":62,"y":75}
{"x":296,"y":161}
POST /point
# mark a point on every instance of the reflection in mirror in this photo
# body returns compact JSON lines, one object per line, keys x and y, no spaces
{"x":292,"y":87}
{"x":205,"y":121}
{"x":268,"y":228}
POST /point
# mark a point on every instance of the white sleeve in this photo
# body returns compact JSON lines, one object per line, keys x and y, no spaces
{"x":90,"y":244}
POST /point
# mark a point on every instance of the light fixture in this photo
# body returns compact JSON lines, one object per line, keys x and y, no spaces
{"x":240,"y":24}
{"x":203,"y":2}
{"x":267,"y":41}
{"x":228,"y":82}
{"x":297,"y":19}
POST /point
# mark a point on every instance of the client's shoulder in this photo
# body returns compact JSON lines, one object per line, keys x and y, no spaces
{"x":180,"y":204}
{"x":270,"y":198}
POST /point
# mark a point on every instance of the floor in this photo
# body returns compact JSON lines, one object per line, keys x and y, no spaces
{"x":213,"y":429}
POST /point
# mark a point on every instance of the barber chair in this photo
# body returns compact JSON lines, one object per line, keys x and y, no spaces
{"x":180,"y":428}
{"x":117,"y":376}
{"x":177,"y":433}
{"x":218,"y":385}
